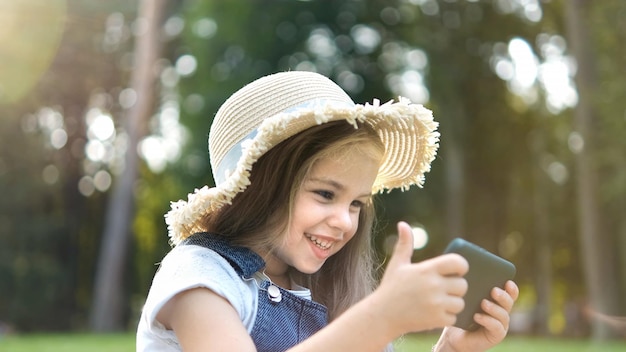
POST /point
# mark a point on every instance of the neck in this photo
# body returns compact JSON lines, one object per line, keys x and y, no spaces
{"x":276,"y":270}
{"x":283,"y":281}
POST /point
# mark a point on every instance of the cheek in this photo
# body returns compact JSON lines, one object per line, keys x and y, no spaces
{"x":355,"y":227}
{"x":347,"y":237}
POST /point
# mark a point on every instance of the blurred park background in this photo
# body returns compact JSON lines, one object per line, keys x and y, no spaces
{"x":105,"y":108}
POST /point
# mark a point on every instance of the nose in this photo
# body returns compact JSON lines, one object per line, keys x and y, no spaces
{"x":342,"y":219}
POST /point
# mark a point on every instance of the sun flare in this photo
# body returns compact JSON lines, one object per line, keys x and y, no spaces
{"x":29,"y":37}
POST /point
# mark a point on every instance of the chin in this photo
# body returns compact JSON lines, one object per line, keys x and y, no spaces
{"x":308,"y":269}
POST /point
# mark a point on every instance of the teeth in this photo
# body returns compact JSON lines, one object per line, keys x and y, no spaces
{"x":320,"y":243}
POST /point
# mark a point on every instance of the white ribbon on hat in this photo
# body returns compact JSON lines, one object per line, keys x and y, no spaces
{"x":229,"y":162}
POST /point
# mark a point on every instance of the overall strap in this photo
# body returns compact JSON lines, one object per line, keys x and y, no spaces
{"x":245,"y":261}
{"x":284,"y":322}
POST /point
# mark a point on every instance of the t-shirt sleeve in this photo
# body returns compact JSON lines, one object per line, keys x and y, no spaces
{"x":190,"y":266}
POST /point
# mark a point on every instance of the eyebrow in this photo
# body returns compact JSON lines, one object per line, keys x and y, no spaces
{"x":336,"y":185}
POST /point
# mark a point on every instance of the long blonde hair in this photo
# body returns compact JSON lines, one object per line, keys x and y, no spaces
{"x":259,"y":216}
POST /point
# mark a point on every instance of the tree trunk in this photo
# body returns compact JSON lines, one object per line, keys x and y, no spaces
{"x":541,"y":238}
{"x":108,"y":306}
{"x":596,"y":249}
{"x":455,"y":185}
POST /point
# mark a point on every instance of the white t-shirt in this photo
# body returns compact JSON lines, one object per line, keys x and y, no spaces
{"x":186,"y":267}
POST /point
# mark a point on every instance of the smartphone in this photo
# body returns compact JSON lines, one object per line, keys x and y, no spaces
{"x":486,"y":271}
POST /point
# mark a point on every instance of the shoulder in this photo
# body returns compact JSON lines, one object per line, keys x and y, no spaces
{"x":194,"y":261}
{"x":187,"y":267}
{"x":190,"y":266}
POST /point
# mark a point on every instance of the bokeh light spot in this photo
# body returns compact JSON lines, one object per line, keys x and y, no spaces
{"x":420,"y":237}
{"x":50,"y":174}
{"x":102,"y":180}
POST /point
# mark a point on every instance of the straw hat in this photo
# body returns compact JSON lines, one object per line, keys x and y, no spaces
{"x":273,"y":108}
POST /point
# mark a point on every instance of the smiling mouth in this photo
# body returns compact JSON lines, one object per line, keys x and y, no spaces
{"x":322,"y":244}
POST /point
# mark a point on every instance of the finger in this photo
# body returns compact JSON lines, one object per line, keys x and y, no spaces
{"x":403,"y":249}
{"x":496,"y":312}
{"x":457,"y":286}
{"x":451,"y":264}
{"x":449,"y":319}
{"x":502,"y":298}
{"x":455,"y":305}
{"x":494,"y":327}
{"x":512,"y":289}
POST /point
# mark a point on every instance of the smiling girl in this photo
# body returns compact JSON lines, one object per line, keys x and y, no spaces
{"x":278,"y":255}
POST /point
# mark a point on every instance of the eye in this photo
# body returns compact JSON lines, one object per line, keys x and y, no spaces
{"x":328,"y":195}
{"x":357,"y":204}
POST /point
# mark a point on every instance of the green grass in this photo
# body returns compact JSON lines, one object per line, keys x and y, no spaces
{"x":416,"y":343}
{"x":413,"y":343}
{"x":68,"y":343}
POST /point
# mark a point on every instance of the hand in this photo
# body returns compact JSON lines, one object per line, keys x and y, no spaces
{"x":494,"y":323}
{"x":421,"y":296}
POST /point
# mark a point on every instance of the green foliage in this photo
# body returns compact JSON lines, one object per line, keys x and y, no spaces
{"x":609,"y":35}
{"x":50,"y":233}
{"x":48,"y":230}
{"x":33,"y":257}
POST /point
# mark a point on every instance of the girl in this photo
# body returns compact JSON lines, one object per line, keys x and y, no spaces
{"x":278,"y":256}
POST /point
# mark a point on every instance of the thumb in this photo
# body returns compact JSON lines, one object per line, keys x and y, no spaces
{"x":403,"y":250}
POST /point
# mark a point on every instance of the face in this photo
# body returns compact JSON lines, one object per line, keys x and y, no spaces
{"x":326,"y":212}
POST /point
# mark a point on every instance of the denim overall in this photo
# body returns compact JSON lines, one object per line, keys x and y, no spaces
{"x":283,"y":319}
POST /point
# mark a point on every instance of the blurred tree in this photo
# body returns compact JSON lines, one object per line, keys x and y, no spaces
{"x":598,"y":257}
{"x":485,"y":158}
{"x":36,"y":266}
{"x":609,"y":32}
{"x":108,"y":304}
{"x":46,"y":228}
